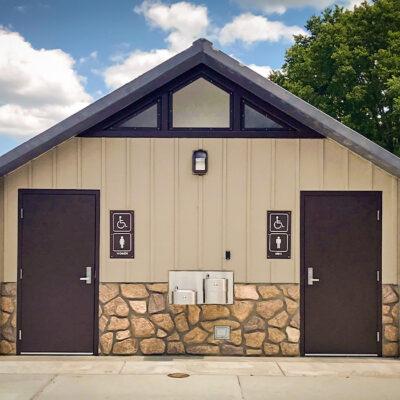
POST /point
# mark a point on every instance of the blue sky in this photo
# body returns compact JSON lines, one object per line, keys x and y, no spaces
{"x":58,"y":56}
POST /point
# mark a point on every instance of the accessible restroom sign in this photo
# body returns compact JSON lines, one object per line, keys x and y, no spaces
{"x":121,"y":234}
{"x":279,"y":234}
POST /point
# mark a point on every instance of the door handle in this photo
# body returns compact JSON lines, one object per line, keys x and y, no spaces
{"x":88,"y":277}
{"x":310,"y":276}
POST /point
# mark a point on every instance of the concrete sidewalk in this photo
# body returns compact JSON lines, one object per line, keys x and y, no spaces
{"x":219,"y":378}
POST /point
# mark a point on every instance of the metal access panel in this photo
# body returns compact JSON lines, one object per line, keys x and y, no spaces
{"x":210,"y":287}
{"x":279,"y":233}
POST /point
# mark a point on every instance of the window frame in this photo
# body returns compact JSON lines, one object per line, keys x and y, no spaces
{"x":187,"y":82}
{"x":245,"y":102}
{"x":115,"y":124}
{"x":163,"y":96}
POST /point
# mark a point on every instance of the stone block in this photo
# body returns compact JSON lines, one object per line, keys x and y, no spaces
{"x":209,"y":325}
{"x":292,"y":291}
{"x":291,"y":306}
{"x":212,"y":312}
{"x":125,"y":347}
{"x":269,"y":308}
{"x":246,"y":292}
{"x":156,"y":303}
{"x":106,"y":342}
{"x":254,"y":324}
{"x":142,"y":327}
{"x":389,"y":295}
{"x":280,"y":320}
{"x":138,"y":306}
{"x":390,"y":350}
{"x":161,"y":334}
{"x":269,"y":291}
{"x":203,"y":349}
{"x":121,"y":335}
{"x":107,"y":291}
{"x":116,"y":306}
{"x":290,"y":349}
{"x":241,"y":309}
{"x":271,"y":349}
{"x":275,"y":335}
{"x":195,"y":336}
{"x":175,"y":348}
{"x":229,"y":350}
{"x":152,"y":346}
{"x":391,"y":333}
{"x":254,"y":339}
{"x":181,"y":323}
{"x":193,"y":314}
{"x":7,"y":304}
{"x":163,"y":321}
{"x":134,"y":291}
{"x":293,"y":334}
{"x":158,"y":287}
{"x":118,"y":324}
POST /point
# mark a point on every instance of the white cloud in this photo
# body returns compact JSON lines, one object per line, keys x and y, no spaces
{"x":263,"y":70}
{"x":281,"y":6}
{"x":134,"y":65}
{"x":250,"y":28}
{"x":92,"y":56}
{"x":184,"y":22}
{"x":38,"y":87}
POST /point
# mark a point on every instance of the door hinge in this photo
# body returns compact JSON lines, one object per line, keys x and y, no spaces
{"x":378,"y":275}
{"x":21,"y":213}
{"x":378,"y":215}
{"x":378,"y":337}
{"x":20,"y":335}
{"x":20,"y":273}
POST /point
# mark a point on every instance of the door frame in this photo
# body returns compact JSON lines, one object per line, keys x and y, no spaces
{"x":303,"y":195}
{"x":96,"y":272}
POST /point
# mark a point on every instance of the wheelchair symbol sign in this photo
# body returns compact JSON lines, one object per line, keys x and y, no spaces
{"x":279,"y":234}
{"x":122,"y":238}
{"x":122,"y":222}
{"x":279,"y":222}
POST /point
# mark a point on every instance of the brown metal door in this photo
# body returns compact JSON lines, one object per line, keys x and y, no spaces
{"x":58,"y":239}
{"x":341,"y":242}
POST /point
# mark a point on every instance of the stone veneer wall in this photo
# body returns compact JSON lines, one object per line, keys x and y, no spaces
{"x":8,"y":318}
{"x":136,"y":319}
{"x":390,"y":320}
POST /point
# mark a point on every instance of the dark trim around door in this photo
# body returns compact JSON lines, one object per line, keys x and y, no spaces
{"x":303,"y":195}
{"x":96,"y":275}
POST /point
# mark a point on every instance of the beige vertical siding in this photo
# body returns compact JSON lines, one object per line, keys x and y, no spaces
{"x":186,"y":221}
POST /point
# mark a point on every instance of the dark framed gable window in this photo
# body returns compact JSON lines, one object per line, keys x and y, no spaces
{"x":200,"y":104}
{"x":146,"y":117}
{"x":256,"y":119}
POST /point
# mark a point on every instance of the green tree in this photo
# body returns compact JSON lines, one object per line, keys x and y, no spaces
{"x":349,"y":67}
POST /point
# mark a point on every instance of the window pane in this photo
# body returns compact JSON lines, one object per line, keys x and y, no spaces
{"x":145,"y":119}
{"x":255,"y":120}
{"x":200,"y":105}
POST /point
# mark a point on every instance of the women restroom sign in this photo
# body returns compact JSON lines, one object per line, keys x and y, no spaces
{"x":121,"y":234}
{"x":279,"y":234}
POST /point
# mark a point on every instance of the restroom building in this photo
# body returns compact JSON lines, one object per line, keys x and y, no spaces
{"x":200,"y":209}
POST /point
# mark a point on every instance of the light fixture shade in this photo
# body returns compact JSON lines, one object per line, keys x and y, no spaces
{"x":200,"y":162}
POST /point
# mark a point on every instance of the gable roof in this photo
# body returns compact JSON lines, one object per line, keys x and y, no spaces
{"x":201,"y":52}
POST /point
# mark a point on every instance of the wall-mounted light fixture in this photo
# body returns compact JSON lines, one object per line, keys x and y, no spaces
{"x":199,"y":162}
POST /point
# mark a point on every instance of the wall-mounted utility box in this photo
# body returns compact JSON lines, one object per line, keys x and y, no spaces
{"x":206,"y":287}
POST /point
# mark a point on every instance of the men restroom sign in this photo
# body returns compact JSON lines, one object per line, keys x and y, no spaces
{"x":121,"y":234}
{"x":279,"y":234}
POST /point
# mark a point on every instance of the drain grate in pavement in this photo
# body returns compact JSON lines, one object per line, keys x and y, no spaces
{"x":178,"y":375}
